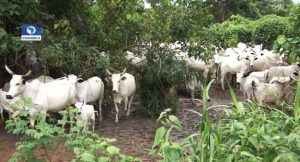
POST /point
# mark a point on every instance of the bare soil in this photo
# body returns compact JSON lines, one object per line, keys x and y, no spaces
{"x":135,"y":134}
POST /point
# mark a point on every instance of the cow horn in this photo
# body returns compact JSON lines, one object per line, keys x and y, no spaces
{"x":8,"y":70}
{"x":27,"y":74}
{"x":108,"y":72}
{"x":63,"y":72}
{"x":124,"y":71}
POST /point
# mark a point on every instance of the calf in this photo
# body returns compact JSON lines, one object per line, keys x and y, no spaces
{"x":123,"y":88}
{"x":87,"y":114}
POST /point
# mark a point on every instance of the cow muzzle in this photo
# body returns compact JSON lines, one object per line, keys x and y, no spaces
{"x":9,"y":97}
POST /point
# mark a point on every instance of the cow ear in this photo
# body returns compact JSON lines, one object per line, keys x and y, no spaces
{"x":123,"y":78}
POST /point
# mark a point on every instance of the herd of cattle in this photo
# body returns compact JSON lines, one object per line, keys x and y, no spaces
{"x":263,"y":76}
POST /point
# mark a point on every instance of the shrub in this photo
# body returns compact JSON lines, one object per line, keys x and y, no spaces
{"x":86,"y":145}
{"x":294,"y":18}
{"x":158,"y":76}
{"x":268,"y":28}
{"x":230,"y":32}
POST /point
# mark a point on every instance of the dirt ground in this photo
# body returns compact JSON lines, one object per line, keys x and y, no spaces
{"x":135,"y":134}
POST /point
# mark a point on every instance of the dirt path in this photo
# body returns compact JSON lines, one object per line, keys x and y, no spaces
{"x":134,"y":135}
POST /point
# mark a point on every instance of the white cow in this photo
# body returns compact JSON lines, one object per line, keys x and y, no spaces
{"x":193,"y":84}
{"x":292,"y":78}
{"x":90,"y":91}
{"x":268,"y":93}
{"x":51,"y":96}
{"x":260,"y":75}
{"x":123,"y":88}
{"x":246,"y":86}
{"x":135,"y":60}
{"x":239,"y":67}
{"x":282,"y":71}
{"x":266,"y":59}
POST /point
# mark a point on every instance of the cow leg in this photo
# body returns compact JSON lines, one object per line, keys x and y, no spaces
{"x":117,"y":112}
{"x":85,"y":123}
{"x":222,"y":82}
{"x":93,"y":125}
{"x":100,"y":109}
{"x":193,"y":95}
{"x":32,"y":120}
{"x":1,"y":112}
{"x":125,"y":104}
{"x":129,"y":105}
{"x":71,"y":118}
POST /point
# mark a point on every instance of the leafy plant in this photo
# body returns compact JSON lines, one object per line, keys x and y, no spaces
{"x":86,"y":145}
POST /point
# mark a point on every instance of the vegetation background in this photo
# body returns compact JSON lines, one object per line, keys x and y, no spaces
{"x":76,"y":32}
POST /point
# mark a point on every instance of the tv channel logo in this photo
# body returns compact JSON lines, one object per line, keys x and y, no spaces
{"x":31,"y":32}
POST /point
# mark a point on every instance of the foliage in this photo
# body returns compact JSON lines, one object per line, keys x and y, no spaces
{"x":288,"y":46}
{"x":251,"y":133}
{"x":158,"y":76}
{"x":86,"y":145}
{"x":239,"y":29}
{"x":229,"y":33}
{"x":268,"y":28}
{"x":294,"y":18}
{"x":201,"y":146}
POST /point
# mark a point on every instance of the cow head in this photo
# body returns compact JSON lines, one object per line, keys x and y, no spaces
{"x":116,"y":79}
{"x":17,"y":83}
{"x":72,"y":78}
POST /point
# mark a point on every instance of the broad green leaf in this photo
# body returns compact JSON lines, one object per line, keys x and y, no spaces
{"x":281,"y":39}
{"x":160,"y":133}
{"x":254,"y":142}
{"x":175,"y":120}
{"x":86,"y":156}
{"x":103,"y":159}
{"x":245,"y":153}
{"x":112,"y":150}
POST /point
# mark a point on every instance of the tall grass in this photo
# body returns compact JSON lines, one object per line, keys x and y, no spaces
{"x":251,"y":133}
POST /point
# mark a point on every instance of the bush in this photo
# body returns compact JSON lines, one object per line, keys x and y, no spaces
{"x":294,"y":18}
{"x":86,"y":145}
{"x":268,"y":28}
{"x":239,"y":29}
{"x":229,"y":33}
{"x":158,"y":76}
